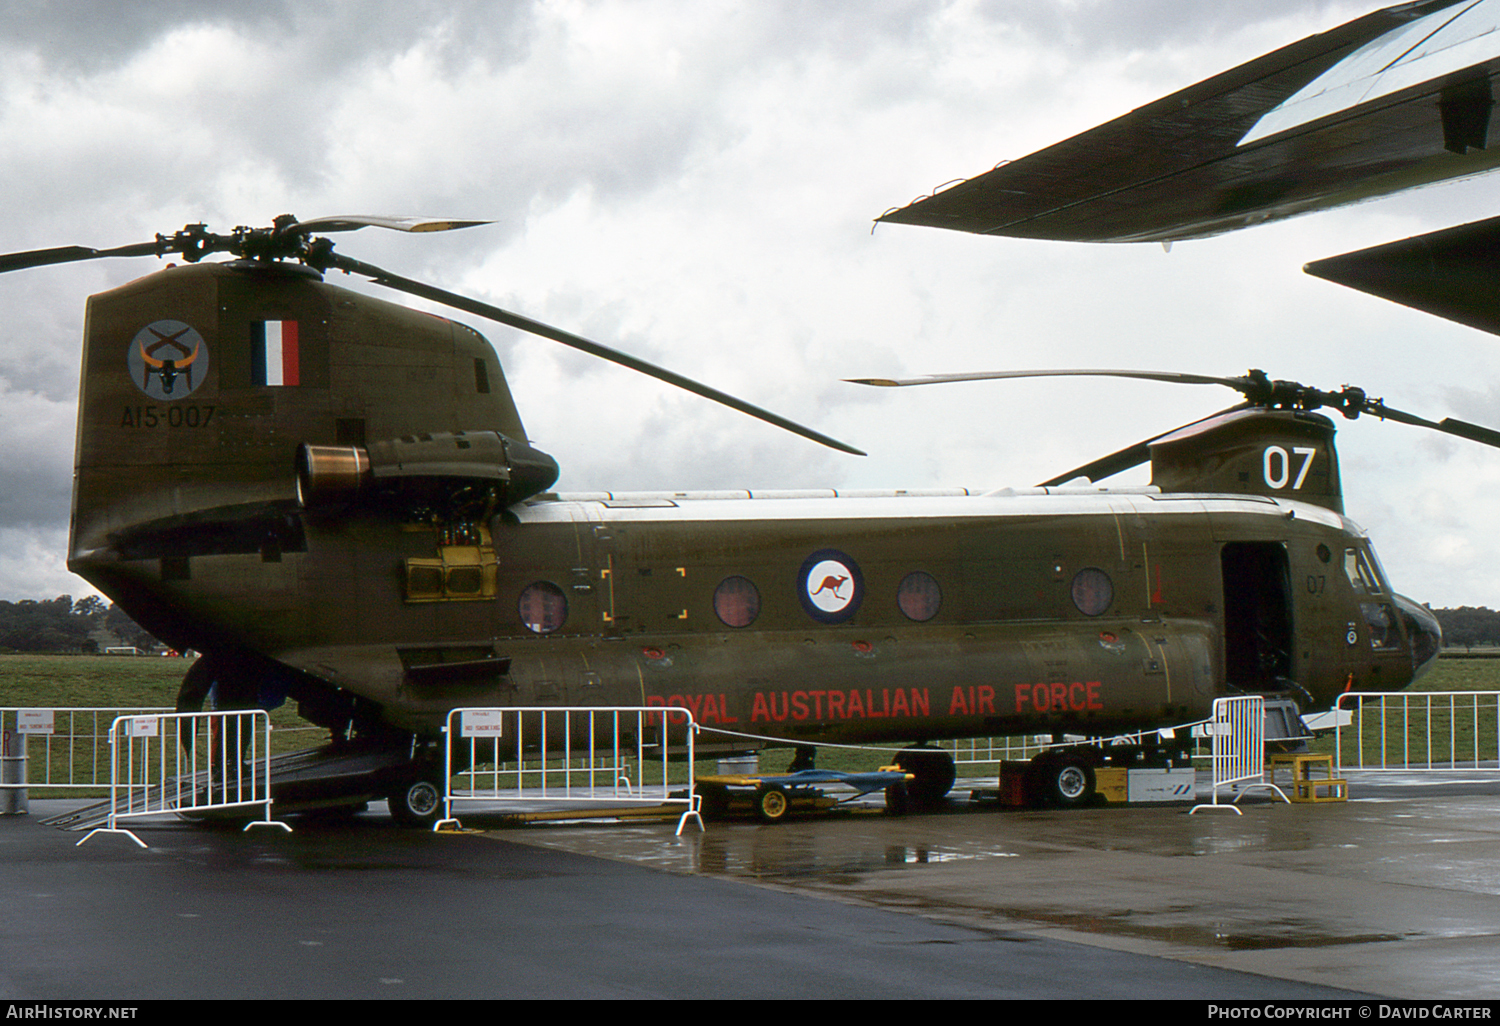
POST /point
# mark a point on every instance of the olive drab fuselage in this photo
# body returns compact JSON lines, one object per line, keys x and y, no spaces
{"x":339,"y":492}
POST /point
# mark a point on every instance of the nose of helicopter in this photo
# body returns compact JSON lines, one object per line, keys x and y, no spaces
{"x":1423,"y":633}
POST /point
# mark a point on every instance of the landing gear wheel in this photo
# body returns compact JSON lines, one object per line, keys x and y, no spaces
{"x":1066,"y":782}
{"x":897,"y":801}
{"x":416,"y":803}
{"x":933,"y":769}
{"x":772,"y":804}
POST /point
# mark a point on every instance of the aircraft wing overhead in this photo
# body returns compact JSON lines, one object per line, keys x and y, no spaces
{"x":1400,"y":97}
{"x":1451,"y":273}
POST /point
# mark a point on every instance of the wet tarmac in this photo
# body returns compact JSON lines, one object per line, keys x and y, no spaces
{"x":1395,"y":893}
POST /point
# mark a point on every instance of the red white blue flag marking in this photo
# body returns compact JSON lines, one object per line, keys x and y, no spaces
{"x":274,"y":356}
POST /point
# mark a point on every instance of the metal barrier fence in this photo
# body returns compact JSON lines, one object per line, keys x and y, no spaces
{"x":61,"y":749}
{"x":1424,"y":730}
{"x":982,"y":751}
{"x":1238,"y":726}
{"x":616,"y":755}
{"x":178,"y":763}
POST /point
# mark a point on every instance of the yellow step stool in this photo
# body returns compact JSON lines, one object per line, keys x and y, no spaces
{"x":1306,"y":786}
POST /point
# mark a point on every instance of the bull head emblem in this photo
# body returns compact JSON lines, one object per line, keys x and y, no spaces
{"x":167,"y":368}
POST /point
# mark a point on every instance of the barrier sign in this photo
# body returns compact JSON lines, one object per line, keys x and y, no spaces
{"x":480,"y":723}
{"x":34,"y":721}
{"x":143,"y":726}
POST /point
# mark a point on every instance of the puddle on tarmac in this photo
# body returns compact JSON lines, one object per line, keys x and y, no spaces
{"x":1227,"y":936}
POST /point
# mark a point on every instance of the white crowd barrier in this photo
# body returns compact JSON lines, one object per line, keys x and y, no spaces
{"x":186,"y":764}
{"x":1418,"y":731}
{"x":56,"y":749}
{"x":1238,"y":726}
{"x":607,"y":756}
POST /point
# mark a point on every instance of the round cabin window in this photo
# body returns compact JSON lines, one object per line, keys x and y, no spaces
{"x":543,"y":607}
{"x":1093,"y":591}
{"x":919,"y":596}
{"x":737,"y":601}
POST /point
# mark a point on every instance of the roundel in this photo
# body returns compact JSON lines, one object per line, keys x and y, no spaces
{"x":167,"y":360}
{"x":830,"y":586}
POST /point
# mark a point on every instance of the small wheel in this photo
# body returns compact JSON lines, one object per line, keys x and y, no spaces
{"x":933,"y":769}
{"x":418,"y":802}
{"x":897,"y":801}
{"x":772,"y":804}
{"x":1067,"y":782}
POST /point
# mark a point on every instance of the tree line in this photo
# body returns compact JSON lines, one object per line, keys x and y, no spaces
{"x":65,"y":625}
{"x":1468,"y":626}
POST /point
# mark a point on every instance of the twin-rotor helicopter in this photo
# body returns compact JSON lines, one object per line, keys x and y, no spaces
{"x":333,"y":498}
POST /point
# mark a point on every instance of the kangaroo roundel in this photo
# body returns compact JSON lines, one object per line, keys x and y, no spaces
{"x":830,"y":586}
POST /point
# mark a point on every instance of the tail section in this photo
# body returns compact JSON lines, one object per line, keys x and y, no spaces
{"x":1285,"y":454}
{"x":200,"y":385}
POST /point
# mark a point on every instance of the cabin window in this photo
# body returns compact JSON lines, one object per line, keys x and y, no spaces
{"x":543,"y":607}
{"x":737,"y":601}
{"x":1361,"y":577}
{"x":919,"y":596}
{"x":1093,"y":591}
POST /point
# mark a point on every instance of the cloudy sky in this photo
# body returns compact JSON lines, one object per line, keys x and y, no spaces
{"x":695,"y":182}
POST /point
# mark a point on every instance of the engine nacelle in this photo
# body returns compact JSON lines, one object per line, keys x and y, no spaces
{"x":423,"y":467}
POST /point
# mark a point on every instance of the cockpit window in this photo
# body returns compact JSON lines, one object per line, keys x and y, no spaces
{"x":1381,"y":620}
{"x":1362,"y":577}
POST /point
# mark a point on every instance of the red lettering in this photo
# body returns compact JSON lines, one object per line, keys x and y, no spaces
{"x":1060,"y":695}
{"x":921,"y":702}
{"x":856,"y":707}
{"x":956,"y":704}
{"x":710,"y":709}
{"x":986,"y":703}
{"x":836,"y":705}
{"x":1094,"y":701}
{"x":1075,"y":701}
{"x":1039,"y":700}
{"x":778,"y":717}
{"x":799,"y":705}
{"x":1023,"y":692}
{"x":652,"y":719}
{"x":899,"y":706}
{"x":724,"y":710}
{"x":817,"y":697}
{"x":758,"y":710}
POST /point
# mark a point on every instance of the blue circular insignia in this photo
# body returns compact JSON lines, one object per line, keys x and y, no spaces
{"x":830,"y":586}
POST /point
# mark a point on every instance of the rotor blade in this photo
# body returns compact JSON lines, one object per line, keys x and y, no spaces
{"x":1473,"y":432}
{"x":935,"y":379}
{"x":1448,"y":426}
{"x":354,"y":222}
{"x":494,"y":313}
{"x":68,"y":254}
{"x":1125,"y":459}
{"x":1105,"y":466}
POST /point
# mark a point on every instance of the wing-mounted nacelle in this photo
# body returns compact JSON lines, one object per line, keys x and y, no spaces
{"x":435,"y":472}
{"x":1286,"y":454}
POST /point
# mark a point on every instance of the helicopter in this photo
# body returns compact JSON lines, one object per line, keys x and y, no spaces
{"x":334,"y":499}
